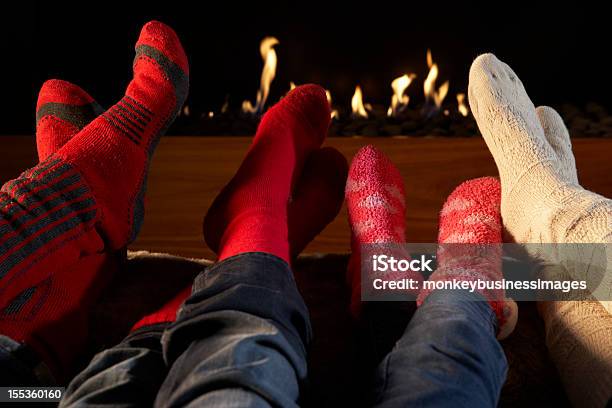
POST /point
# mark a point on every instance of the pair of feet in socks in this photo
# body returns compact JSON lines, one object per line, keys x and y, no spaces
{"x":95,"y":163}
{"x":63,"y":222}
{"x":537,"y":200}
{"x":376,"y":204}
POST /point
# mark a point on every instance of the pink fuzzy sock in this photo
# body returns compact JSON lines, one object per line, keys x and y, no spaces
{"x":471,"y":216}
{"x":376,"y":206}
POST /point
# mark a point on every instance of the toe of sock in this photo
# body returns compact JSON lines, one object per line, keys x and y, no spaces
{"x":486,"y":190}
{"x":489,"y":67}
{"x":161,"y":37}
{"x":59,"y":91}
{"x":311,"y":101}
{"x":551,"y":121}
{"x":485,"y":78}
{"x":471,"y":213}
{"x":370,"y":164}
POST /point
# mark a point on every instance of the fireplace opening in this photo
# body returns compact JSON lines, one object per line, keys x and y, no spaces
{"x":390,"y":69}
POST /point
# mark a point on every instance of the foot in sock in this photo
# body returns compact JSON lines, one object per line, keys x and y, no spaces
{"x":62,"y":110}
{"x":113,"y":152}
{"x":82,"y":200}
{"x":470,"y":236}
{"x":541,"y":198}
{"x":316,"y":199}
{"x":542,"y":201}
{"x":376,"y":207}
{"x":251,"y":212}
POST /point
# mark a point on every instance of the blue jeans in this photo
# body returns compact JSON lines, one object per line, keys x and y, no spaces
{"x":241,"y":339}
{"x":447,"y":357}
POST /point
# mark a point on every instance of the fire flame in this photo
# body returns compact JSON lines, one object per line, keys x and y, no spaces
{"x":334,"y":112}
{"x":268,"y":55}
{"x":429,"y":86}
{"x":292,"y":86}
{"x":462,"y":106}
{"x":399,"y":101}
{"x":359,"y":109}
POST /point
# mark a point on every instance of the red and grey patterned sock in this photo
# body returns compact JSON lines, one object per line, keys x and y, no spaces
{"x":84,"y":199}
{"x":62,"y":110}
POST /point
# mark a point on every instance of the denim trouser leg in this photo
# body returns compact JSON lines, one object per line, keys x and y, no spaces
{"x":240,"y":339}
{"x":21,"y":367}
{"x":127,"y":375}
{"x":447,"y":357}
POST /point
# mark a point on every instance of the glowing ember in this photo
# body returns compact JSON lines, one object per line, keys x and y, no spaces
{"x":266,"y":49}
{"x":399,"y":101}
{"x":357,"y":105}
{"x":334,"y":112}
{"x":429,"y":86}
{"x":225,"y":106}
{"x":462,"y":106}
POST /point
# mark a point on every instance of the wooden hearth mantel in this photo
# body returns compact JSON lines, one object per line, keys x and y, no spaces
{"x":188,"y":172}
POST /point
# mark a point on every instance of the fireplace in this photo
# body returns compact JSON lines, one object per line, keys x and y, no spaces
{"x":367,"y":57}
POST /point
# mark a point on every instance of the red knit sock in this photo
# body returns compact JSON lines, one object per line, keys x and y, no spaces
{"x":469,"y":237}
{"x":83,"y":200}
{"x":250,"y":213}
{"x":375,"y":200}
{"x":166,"y":313}
{"x":317,"y":198}
{"x":113,"y":152}
{"x":62,"y":110}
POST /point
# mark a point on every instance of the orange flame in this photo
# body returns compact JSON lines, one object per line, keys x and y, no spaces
{"x":429,"y":86}
{"x":462,"y":106}
{"x":357,"y":105}
{"x":268,"y":55}
{"x":399,"y":101}
{"x":334,"y":112}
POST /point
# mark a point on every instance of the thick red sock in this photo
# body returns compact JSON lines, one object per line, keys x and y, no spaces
{"x":113,"y":152}
{"x":376,"y":205}
{"x":62,"y":110}
{"x":470,"y":236}
{"x":166,"y":313}
{"x":317,"y":198}
{"x":83,"y":200}
{"x":250,"y":213}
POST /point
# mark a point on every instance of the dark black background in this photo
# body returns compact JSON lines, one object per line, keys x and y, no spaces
{"x":559,"y":51}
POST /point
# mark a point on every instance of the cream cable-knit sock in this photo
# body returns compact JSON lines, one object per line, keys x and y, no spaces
{"x":542,"y":201}
{"x":579,"y":340}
